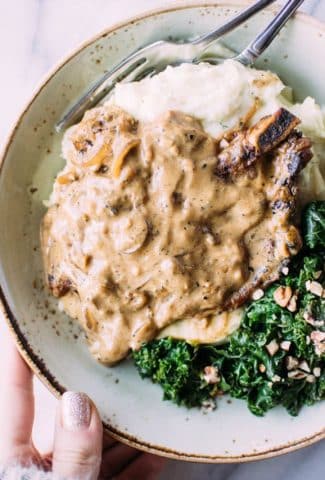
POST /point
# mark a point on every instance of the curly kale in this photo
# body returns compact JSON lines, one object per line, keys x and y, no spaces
{"x":245,"y":367}
{"x":177,"y":367}
{"x":262,"y":379}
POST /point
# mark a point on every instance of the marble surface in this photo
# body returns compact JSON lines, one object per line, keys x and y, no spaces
{"x":34,"y":35}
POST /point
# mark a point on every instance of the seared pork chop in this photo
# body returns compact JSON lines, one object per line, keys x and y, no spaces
{"x":274,"y":146}
{"x":152,"y":223}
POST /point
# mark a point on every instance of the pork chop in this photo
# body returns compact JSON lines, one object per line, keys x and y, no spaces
{"x":155,"y":222}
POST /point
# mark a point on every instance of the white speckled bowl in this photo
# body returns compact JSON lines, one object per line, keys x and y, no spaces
{"x":132,"y":409}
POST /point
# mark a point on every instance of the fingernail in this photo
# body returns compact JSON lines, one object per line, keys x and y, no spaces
{"x":76,"y":411}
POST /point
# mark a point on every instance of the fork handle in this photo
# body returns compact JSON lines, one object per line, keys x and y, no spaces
{"x":206,"y":39}
{"x":264,"y":38}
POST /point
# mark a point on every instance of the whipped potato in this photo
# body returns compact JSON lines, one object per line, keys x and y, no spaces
{"x":221,"y":96}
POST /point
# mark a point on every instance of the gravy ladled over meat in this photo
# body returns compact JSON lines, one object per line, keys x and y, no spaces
{"x":156,"y":222}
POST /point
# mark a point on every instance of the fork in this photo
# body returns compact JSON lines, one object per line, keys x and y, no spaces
{"x":153,"y":58}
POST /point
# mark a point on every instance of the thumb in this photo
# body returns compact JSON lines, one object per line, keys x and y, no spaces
{"x":78,"y":438}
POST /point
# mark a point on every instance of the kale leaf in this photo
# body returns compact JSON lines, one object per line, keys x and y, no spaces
{"x":177,"y":367}
{"x":262,"y":379}
{"x":245,"y":366}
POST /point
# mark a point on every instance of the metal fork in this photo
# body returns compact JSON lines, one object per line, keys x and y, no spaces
{"x":154,"y":57}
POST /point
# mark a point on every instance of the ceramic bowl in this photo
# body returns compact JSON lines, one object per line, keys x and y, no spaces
{"x":132,"y":409}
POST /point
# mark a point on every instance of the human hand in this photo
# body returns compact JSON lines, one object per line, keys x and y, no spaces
{"x":79,"y":449}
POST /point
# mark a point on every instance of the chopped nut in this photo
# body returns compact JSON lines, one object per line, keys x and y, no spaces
{"x":304,"y":366}
{"x":285,"y":345}
{"x":317,"y":371}
{"x":272,"y":347}
{"x":297,"y":374}
{"x":314,"y":287}
{"x":276,"y":378}
{"x":292,"y":305}
{"x":310,"y":378}
{"x":291,"y":362}
{"x":318,"y":323}
{"x":282,"y":296}
{"x":285,"y":271}
{"x":211,"y":375}
{"x":317,"y":274}
{"x":318,"y":338}
{"x":262,"y":367}
{"x":317,"y":335}
{"x":309,"y":319}
{"x":257,"y":294}
{"x":307,"y":316}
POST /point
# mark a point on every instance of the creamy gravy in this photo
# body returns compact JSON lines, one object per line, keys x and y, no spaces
{"x":144,"y":233}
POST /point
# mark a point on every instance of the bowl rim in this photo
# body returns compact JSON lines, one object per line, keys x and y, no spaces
{"x":36,"y":364}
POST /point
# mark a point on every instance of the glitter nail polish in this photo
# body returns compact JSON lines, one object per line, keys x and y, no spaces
{"x":76,"y":411}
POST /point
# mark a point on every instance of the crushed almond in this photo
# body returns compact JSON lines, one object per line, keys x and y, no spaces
{"x":282,"y":296}
{"x":285,"y":345}
{"x":262,"y":367}
{"x":318,"y":339}
{"x":272,"y":347}
{"x":317,"y":335}
{"x":297,"y":375}
{"x":310,"y":379}
{"x":292,"y":305}
{"x":291,"y":362}
{"x":285,"y":271}
{"x":257,"y":294}
{"x":314,"y":287}
{"x":307,"y":316}
{"x":304,"y":366}
{"x":319,"y":323}
{"x":309,"y":319}
{"x":276,"y":378}
{"x":317,"y":371}
{"x":211,"y":375}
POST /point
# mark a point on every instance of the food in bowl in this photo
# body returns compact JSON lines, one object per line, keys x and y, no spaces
{"x":179,"y":205}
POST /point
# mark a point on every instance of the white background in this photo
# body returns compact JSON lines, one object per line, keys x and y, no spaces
{"x":34,"y":35}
